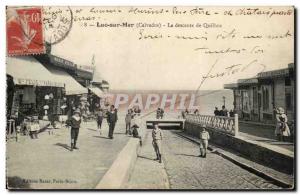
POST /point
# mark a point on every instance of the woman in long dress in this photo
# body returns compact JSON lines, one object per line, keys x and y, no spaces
{"x":282,"y":130}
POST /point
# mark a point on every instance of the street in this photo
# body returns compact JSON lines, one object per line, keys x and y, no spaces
{"x":185,"y":170}
{"x":47,"y":162}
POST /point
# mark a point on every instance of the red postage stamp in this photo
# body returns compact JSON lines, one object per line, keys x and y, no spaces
{"x":24,"y":28}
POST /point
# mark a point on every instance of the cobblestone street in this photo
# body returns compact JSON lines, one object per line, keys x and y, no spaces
{"x":186,"y":170}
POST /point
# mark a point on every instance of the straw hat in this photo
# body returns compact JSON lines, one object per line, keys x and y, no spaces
{"x":77,"y":111}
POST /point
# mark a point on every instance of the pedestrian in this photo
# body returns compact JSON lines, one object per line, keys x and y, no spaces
{"x":282,"y":130}
{"x":183,"y":114}
{"x":33,"y":128}
{"x":156,"y":141}
{"x":187,"y":111}
{"x":112,"y":118}
{"x":158,"y":113}
{"x":75,"y":122}
{"x":162,"y":113}
{"x":196,"y":112}
{"x":224,"y":111}
{"x":204,"y":137}
{"x":135,"y":132}
{"x":217,"y":112}
{"x":100,"y":116}
{"x":128,"y":118}
{"x":231,"y":113}
{"x":132,"y":113}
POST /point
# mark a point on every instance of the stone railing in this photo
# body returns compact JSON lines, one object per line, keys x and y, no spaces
{"x":228,"y":125}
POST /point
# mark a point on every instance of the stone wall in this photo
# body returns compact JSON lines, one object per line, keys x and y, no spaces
{"x":252,"y":151}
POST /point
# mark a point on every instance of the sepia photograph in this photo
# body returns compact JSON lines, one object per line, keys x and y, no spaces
{"x":150,"y":98}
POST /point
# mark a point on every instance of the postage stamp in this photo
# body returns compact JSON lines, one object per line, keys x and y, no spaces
{"x":24,"y":31}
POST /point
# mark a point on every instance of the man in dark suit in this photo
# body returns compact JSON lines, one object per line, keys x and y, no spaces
{"x":112,"y":118}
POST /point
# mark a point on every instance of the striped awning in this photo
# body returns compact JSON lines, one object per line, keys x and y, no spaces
{"x":26,"y":70}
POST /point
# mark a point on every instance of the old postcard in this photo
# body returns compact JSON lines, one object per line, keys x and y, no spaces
{"x":150,"y":97}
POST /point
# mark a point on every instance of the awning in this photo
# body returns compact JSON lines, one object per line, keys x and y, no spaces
{"x":247,"y":82}
{"x":96,"y":91}
{"x":97,"y":78}
{"x":274,"y":73}
{"x":230,"y":86}
{"x":27,"y":70}
{"x":72,"y":87}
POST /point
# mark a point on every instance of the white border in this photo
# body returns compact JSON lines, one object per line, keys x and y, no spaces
{"x":3,"y":3}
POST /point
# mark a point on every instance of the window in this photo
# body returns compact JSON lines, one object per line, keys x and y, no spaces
{"x":245,"y":100}
{"x":287,"y":81}
{"x":288,"y":98}
{"x":266,"y":98}
{"x":255,"y":97}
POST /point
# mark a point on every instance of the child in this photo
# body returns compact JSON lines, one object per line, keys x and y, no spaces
{"x":75,"y":125}
{"x":128,"y":119}
{"x":157,"y":137}
{"x":204,"y":137}
{"x":135,"y":132}
{"x":99,"y":119}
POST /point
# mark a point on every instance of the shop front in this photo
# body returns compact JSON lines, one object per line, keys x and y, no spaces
{"x":95,"y":97}
{"x":73,"y":90}
{"x":255,"y":99}
{"x":33,"y":83}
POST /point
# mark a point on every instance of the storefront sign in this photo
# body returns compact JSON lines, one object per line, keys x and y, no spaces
{"x":62,"y":62}
{"x":37,"y":82}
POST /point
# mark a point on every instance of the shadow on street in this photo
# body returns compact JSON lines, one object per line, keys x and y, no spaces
{"x":101,"y":137}
{"x":63,"y":145}
{"x":144,"y":157}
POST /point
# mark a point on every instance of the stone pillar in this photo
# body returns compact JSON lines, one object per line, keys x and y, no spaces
{"x":236,"y":124}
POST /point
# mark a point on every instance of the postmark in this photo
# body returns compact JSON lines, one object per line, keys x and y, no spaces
{"x":24,"y":31}
{"x":57,"y":23}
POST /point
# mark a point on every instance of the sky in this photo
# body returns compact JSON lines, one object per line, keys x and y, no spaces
{"x":171,"y":63}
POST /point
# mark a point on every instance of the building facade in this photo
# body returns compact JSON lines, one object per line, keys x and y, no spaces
{"x":256,"y":98}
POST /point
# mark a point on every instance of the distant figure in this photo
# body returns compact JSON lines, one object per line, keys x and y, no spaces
{"x":128,"y":119}
{"x":132,"y":113}
{"x":231,"y":113}
{"x":162,"y":113}
{"x":204,"y":137}
{"x":135,"y":132}
{"x":183,"y":114}
{"x":217,"y":112}
{"x":112,"y":118}
{"x":137,"y":111}
{"x":187,"y":111}
{"x":156,"y":142}
{"x":224,"y":111}
{"x":100,"y":116}
{"x":159,"y":113}
{"x":282,"y":130}
{"x":74,"y":122}
{"x":196,"y":112}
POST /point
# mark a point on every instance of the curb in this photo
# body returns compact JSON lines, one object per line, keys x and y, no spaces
{"x":118,"y":174}
{"x":257,"y":172}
